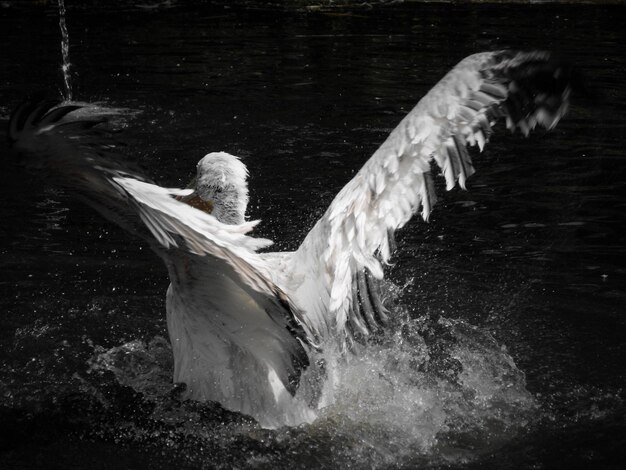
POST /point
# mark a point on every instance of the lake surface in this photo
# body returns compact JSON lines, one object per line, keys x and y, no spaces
{"x":507,"y":347}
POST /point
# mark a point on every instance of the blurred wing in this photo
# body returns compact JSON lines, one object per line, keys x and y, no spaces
{"x":77,"y":160}
{"x":340,"y":258}
{"x":71,"y":154}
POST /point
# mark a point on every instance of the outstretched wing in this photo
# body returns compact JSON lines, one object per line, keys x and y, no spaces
{"x":71,"y":153}
{"x":340,"y":259}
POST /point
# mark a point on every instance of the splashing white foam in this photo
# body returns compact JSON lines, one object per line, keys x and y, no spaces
{"x":433,"y":385}
{"x":145,"y":367}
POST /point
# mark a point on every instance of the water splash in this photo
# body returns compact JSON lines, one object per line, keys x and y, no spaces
{"x":146,"y":368}
{"x":65,"y":51}
{"x":433,"y":389}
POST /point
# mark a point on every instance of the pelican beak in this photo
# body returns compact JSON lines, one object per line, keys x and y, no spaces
{"x":194,"y":200}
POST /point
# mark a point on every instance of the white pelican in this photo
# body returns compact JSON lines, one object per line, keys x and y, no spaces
{"x":247,"y":327}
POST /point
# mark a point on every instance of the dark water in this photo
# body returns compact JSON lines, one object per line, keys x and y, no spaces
{"x":508,"y":350}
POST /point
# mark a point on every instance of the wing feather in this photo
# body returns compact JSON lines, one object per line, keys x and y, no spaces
{"x":525,"y":88}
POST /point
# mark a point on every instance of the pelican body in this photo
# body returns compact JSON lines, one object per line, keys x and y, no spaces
{"x":250,"y":329}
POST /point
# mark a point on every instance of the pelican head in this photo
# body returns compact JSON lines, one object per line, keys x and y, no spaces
{"x":220,"y":187}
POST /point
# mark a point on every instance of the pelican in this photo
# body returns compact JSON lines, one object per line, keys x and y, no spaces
{"x":248,"y":329}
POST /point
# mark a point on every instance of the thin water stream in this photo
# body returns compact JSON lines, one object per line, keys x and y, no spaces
{"x":65,"y":53}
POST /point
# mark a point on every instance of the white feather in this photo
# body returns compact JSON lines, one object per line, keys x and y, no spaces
{"x":243,"y":323}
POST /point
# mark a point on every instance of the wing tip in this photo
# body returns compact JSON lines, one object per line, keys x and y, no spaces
{"x":540,"y":86}
{"x":37,"y":111}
